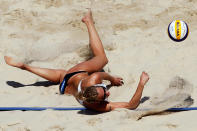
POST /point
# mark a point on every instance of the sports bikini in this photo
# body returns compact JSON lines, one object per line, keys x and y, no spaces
{"x":64,"y":83}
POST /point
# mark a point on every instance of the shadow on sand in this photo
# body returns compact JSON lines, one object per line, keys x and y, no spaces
{"x":40,"y":83}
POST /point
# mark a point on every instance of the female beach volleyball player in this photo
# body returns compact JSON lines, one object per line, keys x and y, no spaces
{"x":84,"y":81}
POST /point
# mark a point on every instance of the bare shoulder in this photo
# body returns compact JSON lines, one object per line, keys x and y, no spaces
{"x":95,"y":76}
{"x":92,"y":80}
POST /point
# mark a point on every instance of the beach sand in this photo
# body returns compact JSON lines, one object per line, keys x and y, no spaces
{"x":50,"y":34}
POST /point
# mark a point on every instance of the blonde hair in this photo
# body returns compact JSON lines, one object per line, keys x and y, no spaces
{"x":89,"y":95}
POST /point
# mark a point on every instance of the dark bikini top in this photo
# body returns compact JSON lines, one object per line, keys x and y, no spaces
{"x":63,"y":85}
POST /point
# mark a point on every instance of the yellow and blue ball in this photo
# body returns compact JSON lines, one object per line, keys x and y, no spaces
{"x":178,"y":30}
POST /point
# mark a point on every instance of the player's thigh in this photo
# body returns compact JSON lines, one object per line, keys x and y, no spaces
{"x":92,"y":65}
{"x":61,"y":73}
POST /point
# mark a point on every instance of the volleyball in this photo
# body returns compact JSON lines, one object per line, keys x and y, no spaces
{"x":178,"y":30}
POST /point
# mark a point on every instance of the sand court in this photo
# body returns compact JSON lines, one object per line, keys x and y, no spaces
{"x":49,"y":33}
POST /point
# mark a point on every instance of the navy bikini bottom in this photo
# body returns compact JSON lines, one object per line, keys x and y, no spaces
{"x":63,"y":85}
